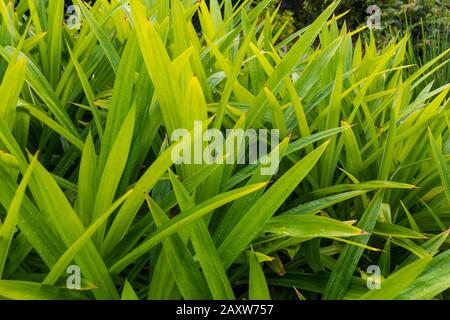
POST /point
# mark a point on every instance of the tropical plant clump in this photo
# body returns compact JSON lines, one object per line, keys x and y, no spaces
{"x":93,"y":204}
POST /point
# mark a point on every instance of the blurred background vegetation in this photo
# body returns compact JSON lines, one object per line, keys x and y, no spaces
{"x":427,"y":22}
{"x":397,"y":16}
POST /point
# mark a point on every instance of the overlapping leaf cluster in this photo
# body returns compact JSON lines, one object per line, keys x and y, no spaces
{"x":87,"y":176}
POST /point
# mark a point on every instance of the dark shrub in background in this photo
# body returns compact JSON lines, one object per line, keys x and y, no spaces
{"x":398,"y":15}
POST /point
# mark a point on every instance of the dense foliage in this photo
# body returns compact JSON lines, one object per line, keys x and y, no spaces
{"x":88,"y":179}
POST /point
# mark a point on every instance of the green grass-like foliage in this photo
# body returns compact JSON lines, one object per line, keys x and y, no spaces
{"x":87,"y":178}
